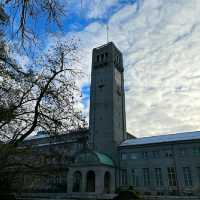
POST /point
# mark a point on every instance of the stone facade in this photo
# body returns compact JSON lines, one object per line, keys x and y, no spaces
{"x":166,"y":168}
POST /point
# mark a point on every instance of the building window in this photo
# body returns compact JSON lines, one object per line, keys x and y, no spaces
{"x":135,"y":177}
{"x":145,"y":154}
{"x":172,"y":176}
{"x":57,"y":180}
{"x":198,"y":172}
{"x":97,"y":58}
{"x":168,"y":153}
{"x":124,"y":177}
{"x":107,"y":182}
{"x":90,"y":182}
{"x":158,"y":174}
{"x":102,"y":57}
{"x":106,"y":55}
{"x":134,"y":156}
{"x":196,"y":151}
{"x":156,"y":154}
{"x":77,"y":182}
{"x":123,"y":156}
{"x":187,"y":176}
{"x":117,"y":59}
{"x":146,"y":176}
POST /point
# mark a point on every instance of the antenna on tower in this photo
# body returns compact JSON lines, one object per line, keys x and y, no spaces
{"x":107,"y":30}
{"x":81,"y":4}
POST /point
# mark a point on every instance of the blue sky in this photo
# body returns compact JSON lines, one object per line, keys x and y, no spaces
{"x":160,"y":43}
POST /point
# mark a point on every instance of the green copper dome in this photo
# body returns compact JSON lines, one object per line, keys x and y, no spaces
{"x":93,"y":157}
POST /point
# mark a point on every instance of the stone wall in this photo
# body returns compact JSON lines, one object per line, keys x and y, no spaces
{"x":64,"y":196}
{"x":86,"y":196}
{"x":172,"y":197}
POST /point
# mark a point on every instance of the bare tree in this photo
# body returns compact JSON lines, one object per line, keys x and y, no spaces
{"x":40,"y":98}
{"x":26,"y":15}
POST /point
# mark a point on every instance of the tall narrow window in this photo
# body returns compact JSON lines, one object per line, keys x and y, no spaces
{"x":90,"y":182}
{"x":135,"y":177}
{"x":107,"y":182}
{"x":187,"y":176}
{"x":146,"y":176}
{"x":124,"y":177}
{"x":198,"y":172}
{"x":97,"y":58}
{"x":158,"y":175}
{"x":145,"y":155}
{"x":123,"y":156}
{"x":172,"y":176}
{"x":106,"y":55}
{"x":77,"y":181}
{"x":156,"y":154}
{"x":102,"y":57}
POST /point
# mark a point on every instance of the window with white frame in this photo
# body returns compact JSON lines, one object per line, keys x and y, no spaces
{"x":135,"y":177}
{"x":146,"y":176}
{"x":172,"y":176}
{"x":198,"y":172}
{"x":158,"y":176}
{"x":187,"y":176}
{"x":124,"y":177}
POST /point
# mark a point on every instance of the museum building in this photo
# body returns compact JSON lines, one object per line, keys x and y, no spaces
{"x":105,"y":157}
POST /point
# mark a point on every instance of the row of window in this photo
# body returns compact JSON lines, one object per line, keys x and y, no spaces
{"x":158,"y":153}
{"x":104,"y":56}
{"x":146,"y":179}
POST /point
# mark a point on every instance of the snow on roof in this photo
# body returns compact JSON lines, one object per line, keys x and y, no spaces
{"x":163,"y":138}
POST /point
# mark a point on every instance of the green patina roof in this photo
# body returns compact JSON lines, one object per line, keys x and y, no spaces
{"x":104,"y":159}
{"x":89,"y":156}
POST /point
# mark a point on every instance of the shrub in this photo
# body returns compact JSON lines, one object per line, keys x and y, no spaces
{"x":127,"y":193}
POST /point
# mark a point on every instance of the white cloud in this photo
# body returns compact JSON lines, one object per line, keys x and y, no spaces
{"x":161,"y":44}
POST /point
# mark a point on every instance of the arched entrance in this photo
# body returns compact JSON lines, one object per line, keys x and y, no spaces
{"x":90,"y":186}
{"x":107,"y":179}
{"x":77,"y":181}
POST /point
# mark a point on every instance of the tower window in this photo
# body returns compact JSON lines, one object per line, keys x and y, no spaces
{"x":97,"y":58}
{"x":102,"y":57}
{"x":106,"y":55}
{"x":101,"y":86}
